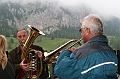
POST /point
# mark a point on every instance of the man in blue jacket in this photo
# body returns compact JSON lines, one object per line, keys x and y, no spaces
{"x":95,"y":59}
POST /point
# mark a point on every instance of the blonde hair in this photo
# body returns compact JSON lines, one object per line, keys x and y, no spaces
{"x":93,"y":22}
{"x":3,"y":56}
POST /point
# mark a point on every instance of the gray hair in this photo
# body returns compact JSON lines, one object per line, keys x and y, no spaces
{"x":93,"y":22}
{"x":19,"y":29}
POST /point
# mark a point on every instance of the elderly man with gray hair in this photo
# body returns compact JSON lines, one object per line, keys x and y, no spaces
{"x":95,"y":59}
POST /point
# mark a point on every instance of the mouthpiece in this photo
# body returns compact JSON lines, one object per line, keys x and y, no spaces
{"x":23,"y":42}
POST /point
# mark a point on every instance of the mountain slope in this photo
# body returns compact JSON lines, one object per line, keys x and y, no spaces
{"x":46,"y":14}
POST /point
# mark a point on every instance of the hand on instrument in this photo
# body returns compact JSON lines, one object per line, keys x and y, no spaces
{"x":72,"y":49}
{"x":24,"y":66}
{"x":39,"y":53}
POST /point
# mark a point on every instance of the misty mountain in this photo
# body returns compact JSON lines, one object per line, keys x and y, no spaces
{"x":44,"y":14}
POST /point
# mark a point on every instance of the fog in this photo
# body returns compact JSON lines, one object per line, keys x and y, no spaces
{"x":104,"y":7}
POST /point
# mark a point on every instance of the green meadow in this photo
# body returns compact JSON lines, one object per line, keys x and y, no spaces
{"x":47,"y":44}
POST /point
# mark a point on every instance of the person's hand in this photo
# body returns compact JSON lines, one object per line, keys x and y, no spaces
{"x":72,"y":49}
{"x":39,"y":53}
{"x":24,"y":66}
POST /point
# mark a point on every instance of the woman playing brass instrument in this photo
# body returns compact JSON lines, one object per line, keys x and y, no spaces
{"x":95,"y":59}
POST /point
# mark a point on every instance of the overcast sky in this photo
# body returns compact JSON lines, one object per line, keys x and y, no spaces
{"x":107,"y":7}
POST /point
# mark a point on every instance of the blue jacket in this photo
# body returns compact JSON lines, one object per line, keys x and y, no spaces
{"x":93,"y":60}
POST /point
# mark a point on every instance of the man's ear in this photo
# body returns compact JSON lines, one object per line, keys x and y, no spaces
{"x":87,"y":31}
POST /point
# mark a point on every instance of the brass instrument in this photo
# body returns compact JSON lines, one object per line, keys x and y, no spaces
{"x":50,"y":57}
{"x":30,"y":57}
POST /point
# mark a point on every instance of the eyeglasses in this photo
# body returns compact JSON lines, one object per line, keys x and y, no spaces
{"x":80,"y":30}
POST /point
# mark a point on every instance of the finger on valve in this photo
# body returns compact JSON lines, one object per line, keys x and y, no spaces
{"x":72,"y":49}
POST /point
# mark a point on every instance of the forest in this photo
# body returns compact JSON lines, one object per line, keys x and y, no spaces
{"x":64,"y":22}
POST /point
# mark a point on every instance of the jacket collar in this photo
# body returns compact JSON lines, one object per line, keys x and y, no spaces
{"x":99,"y":38}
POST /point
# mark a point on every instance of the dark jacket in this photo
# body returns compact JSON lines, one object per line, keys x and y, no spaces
{"x":92,"y":60}
{"x":15,"y":59}
{"x":8,"y":72}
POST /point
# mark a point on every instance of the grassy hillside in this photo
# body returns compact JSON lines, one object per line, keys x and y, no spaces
{"x":49,"y":44}
{"x":11,"y":45}
{"x":46,"y":43}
